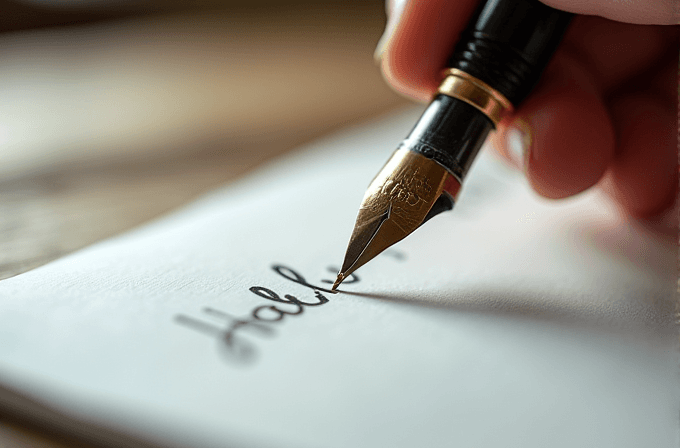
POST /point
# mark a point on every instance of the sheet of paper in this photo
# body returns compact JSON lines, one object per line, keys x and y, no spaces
{"x":512,"y":321}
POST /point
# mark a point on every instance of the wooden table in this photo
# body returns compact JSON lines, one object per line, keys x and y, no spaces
{"x":121,"y":122}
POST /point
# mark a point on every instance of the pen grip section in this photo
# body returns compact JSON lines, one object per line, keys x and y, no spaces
{"x":508,"y":43}
{"x":450,"y":132}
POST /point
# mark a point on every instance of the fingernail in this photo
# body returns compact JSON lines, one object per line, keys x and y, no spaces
{"x":518,"y":144}
{"x":393,"y":9}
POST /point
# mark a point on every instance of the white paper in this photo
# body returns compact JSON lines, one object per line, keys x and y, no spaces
{"x":512,"y":321}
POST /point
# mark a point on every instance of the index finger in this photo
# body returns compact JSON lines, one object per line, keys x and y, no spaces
{"x":421,"y":43}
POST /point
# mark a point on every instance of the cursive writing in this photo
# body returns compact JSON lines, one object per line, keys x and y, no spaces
{"x":232,"y":344}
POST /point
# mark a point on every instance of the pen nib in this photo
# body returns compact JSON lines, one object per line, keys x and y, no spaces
{"x":408,"y":191}
{"x":337,"y":282}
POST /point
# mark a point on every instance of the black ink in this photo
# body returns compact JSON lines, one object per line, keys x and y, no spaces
{"x":231,"y":346}
{"x":283,"y":271}
{"x":280,"y":313}
{"x":271,"y":295}
{"x":238,"y":323}
{"x":261,"y":317}
{"x":318,"y":295}
{"x":267,"y":294}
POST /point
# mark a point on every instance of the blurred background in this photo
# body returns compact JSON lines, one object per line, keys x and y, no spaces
{"x":115,"y":112}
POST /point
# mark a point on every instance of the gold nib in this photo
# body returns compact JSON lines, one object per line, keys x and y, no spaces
{"x":408,"y":191}
{"x":337,"y":282}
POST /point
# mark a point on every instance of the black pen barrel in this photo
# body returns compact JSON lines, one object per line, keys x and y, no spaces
{"x":508,"y":43}
{"x":505,"y":47}
{"x":450,"y":132}
{"x":498,"y":60}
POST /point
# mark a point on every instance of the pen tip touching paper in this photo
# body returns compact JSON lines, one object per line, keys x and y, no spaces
{"x":408,"y":191}
{"x":338,"y":281}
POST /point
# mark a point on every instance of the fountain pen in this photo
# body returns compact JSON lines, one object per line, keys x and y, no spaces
{"x":494,"y":66}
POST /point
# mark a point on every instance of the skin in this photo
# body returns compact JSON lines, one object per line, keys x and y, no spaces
{"x":604,"y":112}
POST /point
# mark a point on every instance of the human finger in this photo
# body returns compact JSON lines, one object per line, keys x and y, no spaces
{"x":420,"y":43}
{"x":561,"y":135}
{"x":614,"y":52}
{"x":643,"y":177}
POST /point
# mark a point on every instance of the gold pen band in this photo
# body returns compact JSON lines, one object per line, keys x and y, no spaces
{"x":465,"y":87}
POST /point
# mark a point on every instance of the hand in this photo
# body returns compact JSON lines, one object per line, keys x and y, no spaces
{"x":603,"y":113}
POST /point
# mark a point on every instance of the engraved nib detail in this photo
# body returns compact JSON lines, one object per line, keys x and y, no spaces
{"x":408,"y":191}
